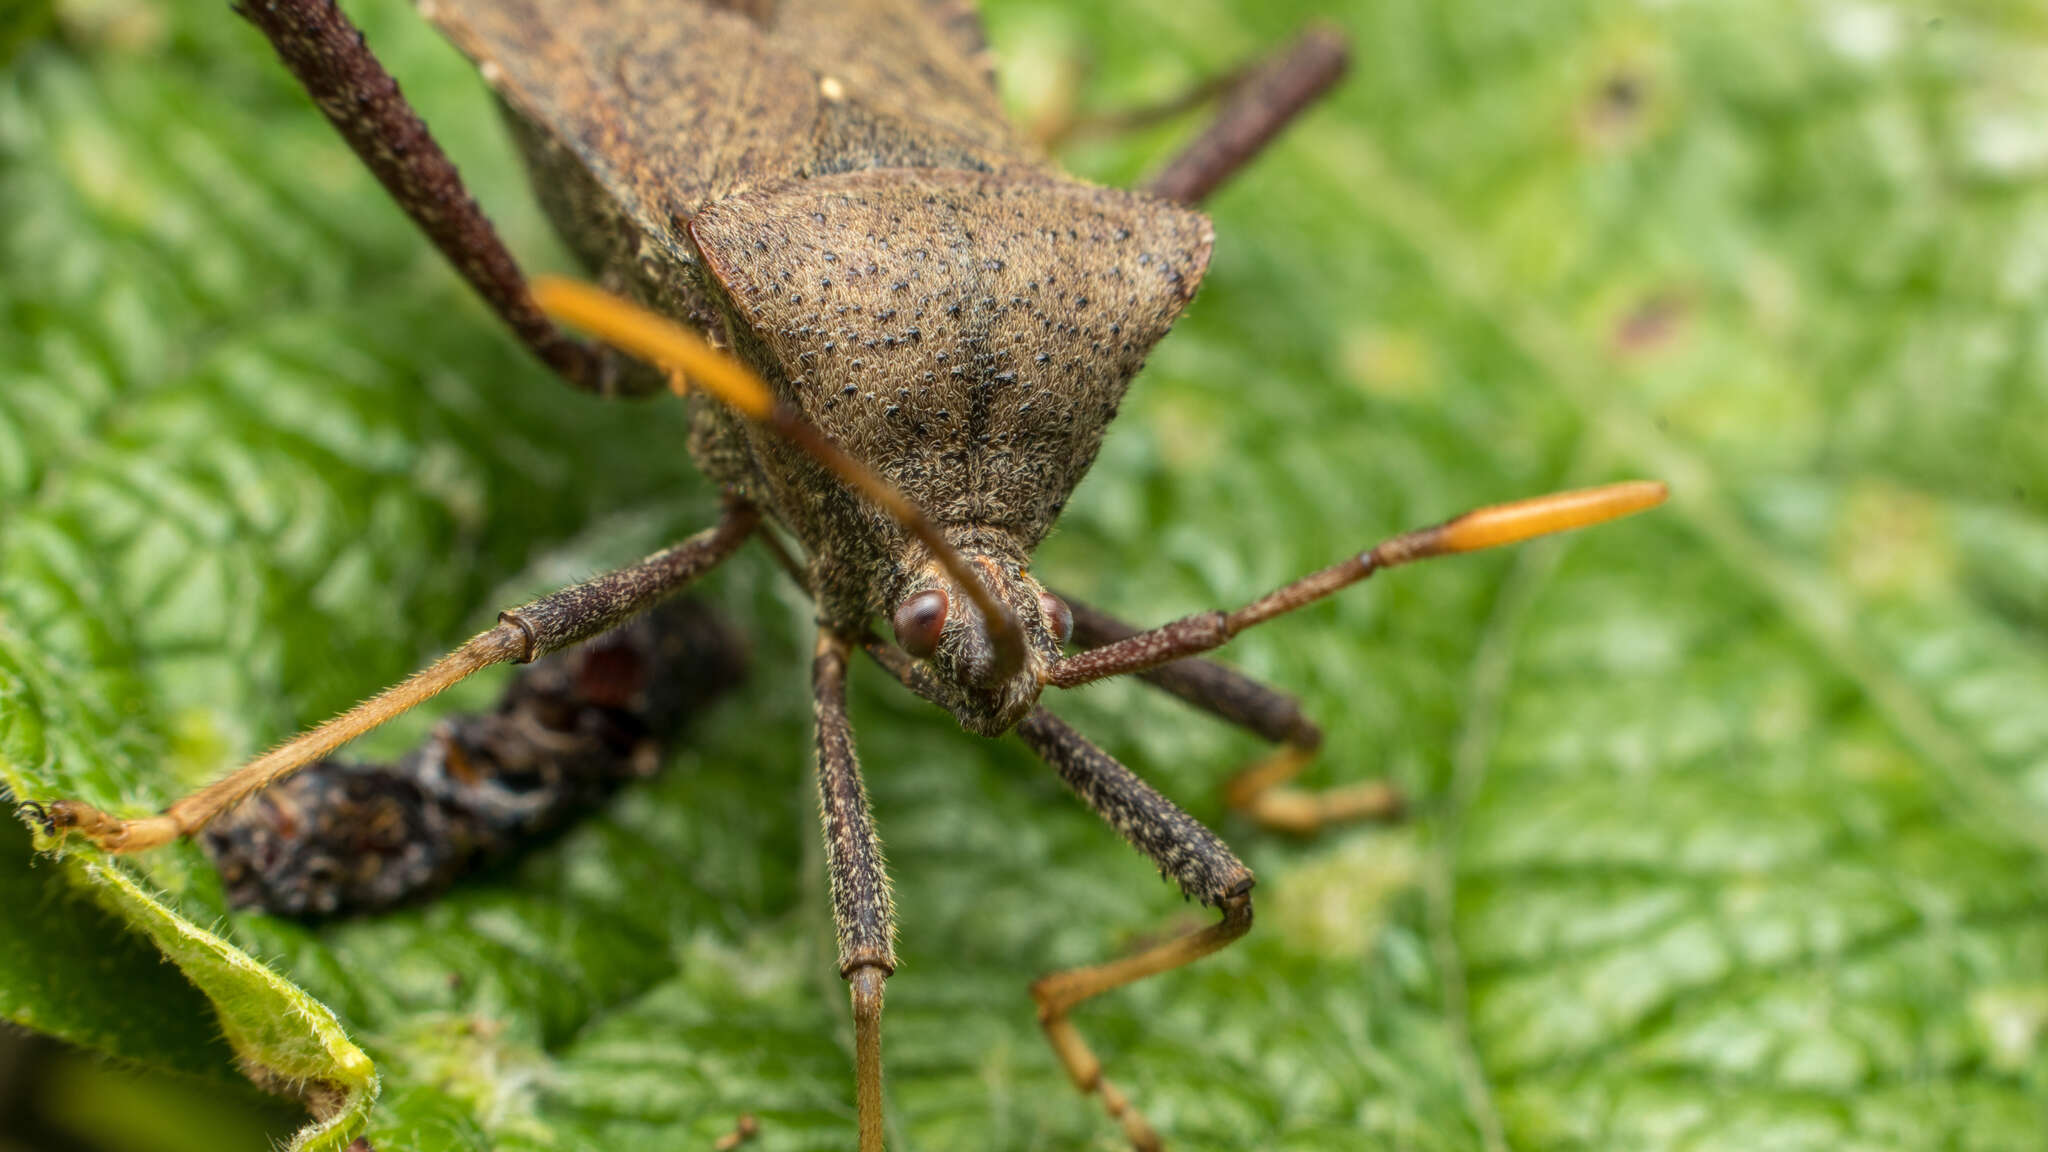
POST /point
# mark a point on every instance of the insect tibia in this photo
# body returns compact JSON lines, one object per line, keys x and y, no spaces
{"x":344,"y":838}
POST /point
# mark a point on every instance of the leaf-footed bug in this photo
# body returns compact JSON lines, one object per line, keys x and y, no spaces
{"x":903,"y":333}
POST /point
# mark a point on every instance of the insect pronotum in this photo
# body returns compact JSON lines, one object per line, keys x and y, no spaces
{"x":902,"y":331}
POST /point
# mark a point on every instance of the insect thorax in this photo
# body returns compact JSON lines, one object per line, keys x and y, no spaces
{"x":871,"y":235}
{"x":968,"y":335}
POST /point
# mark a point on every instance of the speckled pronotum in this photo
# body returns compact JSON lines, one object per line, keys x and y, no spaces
{"x":902,"y":332}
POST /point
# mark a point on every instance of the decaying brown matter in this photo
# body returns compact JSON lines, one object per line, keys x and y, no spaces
{"x":927,"y":328}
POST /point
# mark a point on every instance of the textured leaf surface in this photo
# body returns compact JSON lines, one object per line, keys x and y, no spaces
{"x":1731,"y":820}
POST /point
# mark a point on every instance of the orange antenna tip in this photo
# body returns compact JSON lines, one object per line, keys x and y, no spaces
{"x":634,"y":330}
{"x":1484,"y":528}
{"x":1541,"y":516}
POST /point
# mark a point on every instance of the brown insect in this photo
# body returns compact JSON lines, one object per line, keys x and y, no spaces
{"x":918,"y":331}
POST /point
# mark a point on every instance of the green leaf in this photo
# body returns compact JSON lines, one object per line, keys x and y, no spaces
{"x":1730,"y":820}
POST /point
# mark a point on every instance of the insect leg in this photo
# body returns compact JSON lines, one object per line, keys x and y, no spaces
{"x":1260,"y":789}
{"x":342,"y":838}
{"x":746,"y":1129}
{"x":328,"y":56}
{"x":522,"y":635}
{"x":1056,"y":126}
{"x":1198,"y":861}
{"x":861,"y":903}
{"x":1260,"y":105}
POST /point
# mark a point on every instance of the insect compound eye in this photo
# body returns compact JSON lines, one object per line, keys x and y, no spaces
{"x":919,"y":620}
{"x":1058,"y":616}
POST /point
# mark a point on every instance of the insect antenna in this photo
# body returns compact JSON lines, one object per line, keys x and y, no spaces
{"x":1488,"y":527}
{"x":662,"y":342}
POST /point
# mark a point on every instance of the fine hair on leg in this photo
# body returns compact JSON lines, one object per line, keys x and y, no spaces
{"x":344,"y":838}
{"x":1194,"y":857}
{"x":861,"y":903}
{"x":521,"y":635}
{"x":1260,"y":789}
{"x":1256,"y":108}
{"x":327,"y":54}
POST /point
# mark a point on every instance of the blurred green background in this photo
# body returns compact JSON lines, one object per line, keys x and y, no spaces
{"x":1730,"y":821}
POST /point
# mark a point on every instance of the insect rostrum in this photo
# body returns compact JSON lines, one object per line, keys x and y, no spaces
{"x":926,"y":329}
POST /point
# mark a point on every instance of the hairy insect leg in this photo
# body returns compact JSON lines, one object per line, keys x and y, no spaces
{"x":1260,"y":789}
{"x":522,"y":635}
{"x":1257,"y":103}
{"x":1195,"y":857}
{"x":1257,"y":106}
{"x":861,"y":904}
{"x":328,"y":55}
{"x":570,"y":729}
